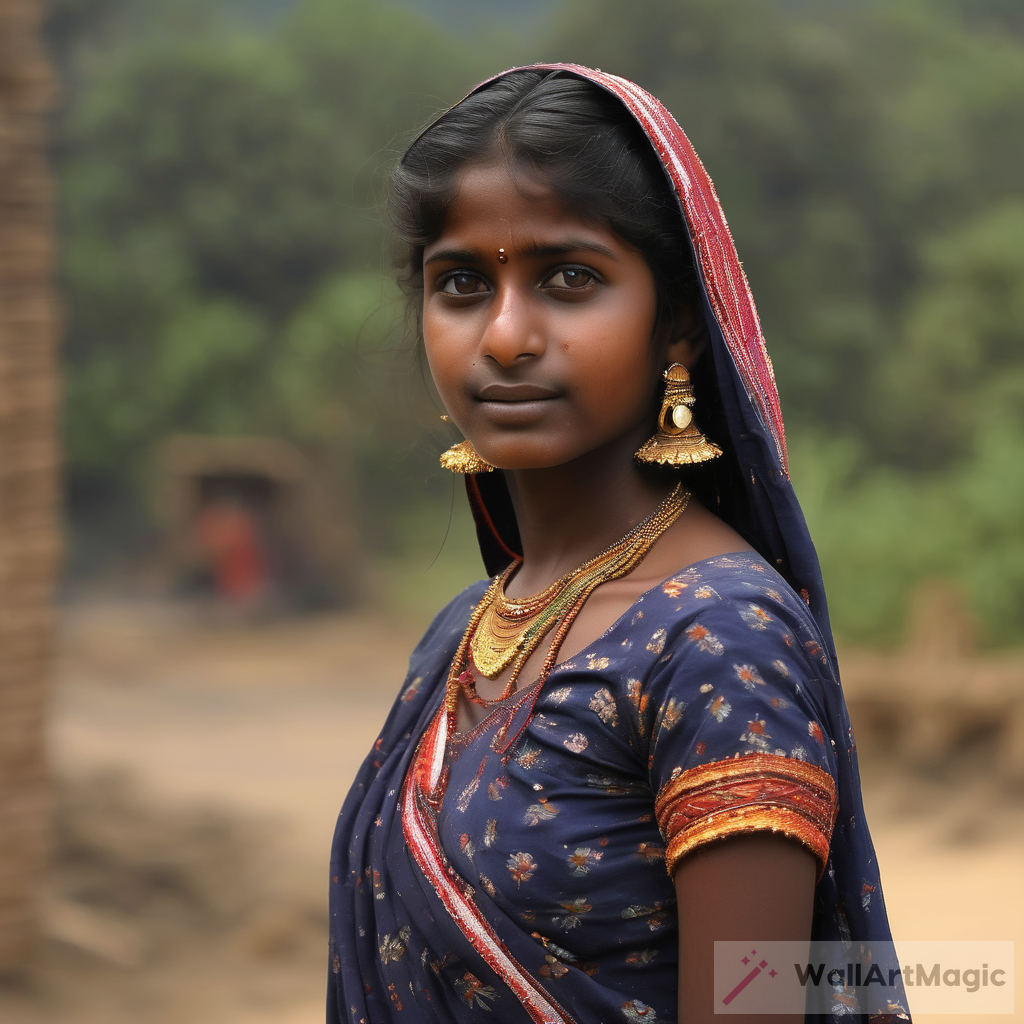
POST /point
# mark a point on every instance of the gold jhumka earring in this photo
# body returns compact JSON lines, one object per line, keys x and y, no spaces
{"x":678,"y":442}
{"x":463,"y":458}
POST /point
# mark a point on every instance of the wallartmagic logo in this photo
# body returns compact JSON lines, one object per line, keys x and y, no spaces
{"x":868,"y":977}
{"x":758,"y":968}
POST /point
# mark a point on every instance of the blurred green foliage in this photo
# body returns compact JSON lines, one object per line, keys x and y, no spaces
{"x":224,"y":269}
{"x":218,"y":203}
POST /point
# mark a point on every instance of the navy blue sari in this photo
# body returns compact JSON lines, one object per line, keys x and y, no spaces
{"x":522,"y":871}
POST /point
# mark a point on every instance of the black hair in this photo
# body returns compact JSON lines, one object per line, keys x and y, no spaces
{"x":579,"y":140}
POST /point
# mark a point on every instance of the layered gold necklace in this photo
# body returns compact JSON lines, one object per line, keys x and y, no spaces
{"x":506,"y":631}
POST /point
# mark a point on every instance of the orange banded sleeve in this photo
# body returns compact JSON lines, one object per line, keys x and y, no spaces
{"x":756,"y":793}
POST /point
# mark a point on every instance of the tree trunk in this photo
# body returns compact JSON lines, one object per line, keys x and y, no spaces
{"x":28,"y":472}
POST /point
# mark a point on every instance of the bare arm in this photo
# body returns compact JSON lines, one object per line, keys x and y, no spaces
{"x":758,"y":887}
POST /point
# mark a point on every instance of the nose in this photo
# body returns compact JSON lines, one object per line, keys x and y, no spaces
{"x":512,"y":333}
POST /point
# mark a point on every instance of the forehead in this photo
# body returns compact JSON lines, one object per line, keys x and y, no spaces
{"x":493,"y":201}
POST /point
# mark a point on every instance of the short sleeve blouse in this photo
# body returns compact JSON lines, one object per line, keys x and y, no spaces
{"x":736,"y":711}
{"x":696,"y":716}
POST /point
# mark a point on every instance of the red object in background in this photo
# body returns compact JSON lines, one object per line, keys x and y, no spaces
{"x":228,"y":535}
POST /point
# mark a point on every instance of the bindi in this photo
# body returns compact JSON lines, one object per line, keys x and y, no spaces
{"x":502,"y":258}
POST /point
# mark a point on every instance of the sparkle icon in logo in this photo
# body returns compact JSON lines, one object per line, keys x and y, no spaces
{"x":753,"y":973}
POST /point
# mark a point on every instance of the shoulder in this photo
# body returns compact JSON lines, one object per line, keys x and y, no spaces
{"x":729,"y":578}
{"x":736,"y":601}
{"x":446,"y":629}
{"x":729,"y":632}
{"x":429,"y":662}
{"x":729,"y":624}
{"x":738,"y":720}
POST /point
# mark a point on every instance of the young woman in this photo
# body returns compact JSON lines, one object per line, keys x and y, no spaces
{"x":632,"y":741}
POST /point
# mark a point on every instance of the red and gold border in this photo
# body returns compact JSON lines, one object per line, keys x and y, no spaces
{"x":756,"y":793}
{"x":420,"y":797}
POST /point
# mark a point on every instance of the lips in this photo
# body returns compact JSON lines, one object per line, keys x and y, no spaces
{"x":516,"y":393}
{"x":517,"y":406}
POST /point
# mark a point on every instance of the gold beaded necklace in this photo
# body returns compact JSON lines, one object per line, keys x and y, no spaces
{"x":506,"y":631}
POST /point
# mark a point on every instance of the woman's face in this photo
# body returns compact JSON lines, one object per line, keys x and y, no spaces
{"x":538,"y":325}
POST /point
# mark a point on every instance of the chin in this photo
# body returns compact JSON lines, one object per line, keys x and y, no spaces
{"x":513,"y":456}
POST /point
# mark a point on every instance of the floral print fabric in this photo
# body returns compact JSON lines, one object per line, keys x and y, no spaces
{"x":707,"y":710}
{"x":402,"y":943}
{"x":719,"y":668}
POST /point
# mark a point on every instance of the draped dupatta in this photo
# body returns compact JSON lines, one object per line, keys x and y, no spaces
{"x":772,"y":520}
{"x":410,"y":939}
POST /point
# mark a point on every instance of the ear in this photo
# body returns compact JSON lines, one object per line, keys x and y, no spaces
{"x":689,"y":336}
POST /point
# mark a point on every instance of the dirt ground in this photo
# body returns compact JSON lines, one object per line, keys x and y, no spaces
{"x":200,"y":765}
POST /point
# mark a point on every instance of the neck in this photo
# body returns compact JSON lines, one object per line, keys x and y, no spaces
{"x":569,"y":513}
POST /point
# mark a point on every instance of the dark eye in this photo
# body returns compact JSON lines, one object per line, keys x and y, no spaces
{"x":463,"y":284}
{"x":571,"y":277}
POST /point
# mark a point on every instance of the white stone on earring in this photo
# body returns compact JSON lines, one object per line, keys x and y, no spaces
{"x":682,"y":417}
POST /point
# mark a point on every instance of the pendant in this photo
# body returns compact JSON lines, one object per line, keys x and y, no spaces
{"x":504,"y":632}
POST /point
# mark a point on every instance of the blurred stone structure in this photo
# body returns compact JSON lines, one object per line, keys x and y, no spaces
{"x":28,"y":473}
{"x":299,"y":516}
{"x":938,"y":698}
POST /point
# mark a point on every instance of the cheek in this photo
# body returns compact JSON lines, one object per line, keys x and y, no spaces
{"x":622,"y":390}
{"x":616,"y":369}
{"x":446,"y":362}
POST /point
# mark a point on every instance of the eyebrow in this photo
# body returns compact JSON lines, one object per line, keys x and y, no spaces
{"x":534,"y":249}
{"x":453,"y":256}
